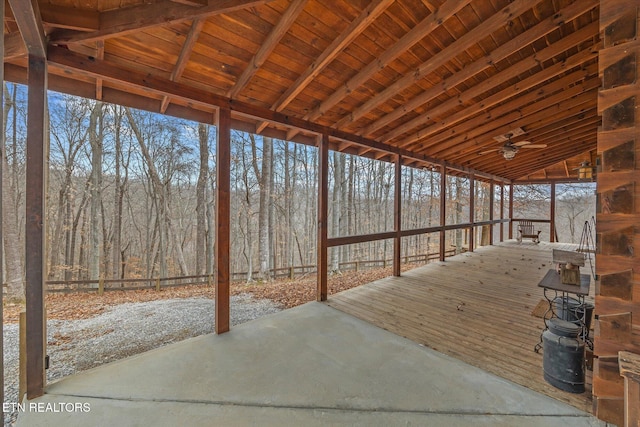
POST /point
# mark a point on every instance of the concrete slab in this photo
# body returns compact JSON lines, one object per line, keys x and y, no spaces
{"x":311,"y":365}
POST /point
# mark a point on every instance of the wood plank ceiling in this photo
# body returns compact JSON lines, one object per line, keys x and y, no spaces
{"x":436,"y":78}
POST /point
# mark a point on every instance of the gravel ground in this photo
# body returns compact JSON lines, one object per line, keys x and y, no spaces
{"x":122,"y":331}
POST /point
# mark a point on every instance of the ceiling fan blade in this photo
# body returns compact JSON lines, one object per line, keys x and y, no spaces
{"x":535,"y":146}
{"x":488,"y":151}
{"x":520,"y":143}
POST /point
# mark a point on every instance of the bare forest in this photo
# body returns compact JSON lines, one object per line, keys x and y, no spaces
{"x":131,"y":194}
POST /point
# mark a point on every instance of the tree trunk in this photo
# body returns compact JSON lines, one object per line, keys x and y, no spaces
{"x":264,"y":181}
{"x":201,"y":201}
{"x":118,"y":194}
{"x":12,"y":256}
{"x":95,"y":139}
{"x":336,"y":203}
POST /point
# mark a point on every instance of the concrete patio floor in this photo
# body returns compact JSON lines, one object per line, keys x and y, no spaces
{"x":307,"y":366}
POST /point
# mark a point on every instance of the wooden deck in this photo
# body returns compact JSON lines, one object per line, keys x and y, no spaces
{"x":475,"y":307}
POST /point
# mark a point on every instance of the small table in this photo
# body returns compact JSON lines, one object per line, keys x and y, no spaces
{"x":551,"y":283}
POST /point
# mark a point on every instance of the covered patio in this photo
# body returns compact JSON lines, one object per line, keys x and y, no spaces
{"x":314,"y":366}
{"x":497,"y":92}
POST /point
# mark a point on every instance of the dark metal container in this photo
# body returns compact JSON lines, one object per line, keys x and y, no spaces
{"x":563,"y":357}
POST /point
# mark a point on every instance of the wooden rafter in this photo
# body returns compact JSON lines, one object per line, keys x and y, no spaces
{"x":532,"y":70}
{"x":524,"y":85}
{"x":27,"y":16}
{"x":91,"y":67}
{"x":368,"y":15}
{"x":478,"y":132}
{"x":192,"y":2}
{"x":183,"y":58}
{"x":100,"y":55}
{"x":567,"y":14}
{"x":471,"y":38}
{"x":70,"y":18}
{"x":289,"y":17}
{"x":123,"y":21}
{"x":429,"y":24}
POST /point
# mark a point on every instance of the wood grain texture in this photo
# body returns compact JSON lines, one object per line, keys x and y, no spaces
{"x":475,"y":307}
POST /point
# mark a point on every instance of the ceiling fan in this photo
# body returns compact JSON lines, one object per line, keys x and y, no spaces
{"x":510,"y":149}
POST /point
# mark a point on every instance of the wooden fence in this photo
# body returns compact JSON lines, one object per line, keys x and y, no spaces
{"x":102,"y":285}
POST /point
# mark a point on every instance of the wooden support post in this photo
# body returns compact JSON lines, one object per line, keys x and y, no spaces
{"x":511,"y":210}
{"x":491,"y":202}
{"x":443,"y":209}
{"x":1,"y":222}
{"x":323,"y":215}
{"x":101,"y":286}
{"x":552,"y":214}
{"x":37,"y":153}
{"x":502,"y":211}
{"x":397,"y":217}
{"x":223,"y":201}
{"x":472,"y":210}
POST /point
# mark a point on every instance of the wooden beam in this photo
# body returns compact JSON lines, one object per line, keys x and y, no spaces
{"x":361,"y":238}
{"x":502,"y":211}
{"x":549,"y":126}
{"x":470,"y":38}
{"x":472,"y":208}
{"x":552,"y":23}
{"x":70,"y":18}
{"x":272,"y":40}
{"x":443,"y":208}
{"x":89,"y":66}
{"x":478,"y":132}
{"x":35,"y":238}
{"x":323,"y":216}
{"x":491,"y":202}
{"x":2,"y":144}
{"x":223,"y":202}
{"x":183,"y":58}
{"x":27,"y":15}
{"x":397,"y":216}
{"x":417,"y":33}
{"x":552,"y":214}
{"x":511,"y":211}
{"x":366,"y":17}
{"x":122,"y":21}
{"x":100,"y":55}
{"x":521,"y":87}
{"x":196,"y":3}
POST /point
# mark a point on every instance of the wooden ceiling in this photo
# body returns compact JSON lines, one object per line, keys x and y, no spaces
{"x":432,"y":79}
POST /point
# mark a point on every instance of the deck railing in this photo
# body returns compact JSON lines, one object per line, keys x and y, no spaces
{"x":102,"y":285}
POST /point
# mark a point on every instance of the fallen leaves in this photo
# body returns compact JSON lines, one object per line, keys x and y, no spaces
{"x":286,"y":293}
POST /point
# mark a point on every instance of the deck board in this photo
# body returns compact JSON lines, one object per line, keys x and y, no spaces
{"x":475,"y":307}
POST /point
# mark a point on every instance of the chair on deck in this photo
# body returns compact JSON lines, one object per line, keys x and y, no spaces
{"x":527,"y":231}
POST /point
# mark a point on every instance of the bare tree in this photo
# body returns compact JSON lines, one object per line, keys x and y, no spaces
{"x":95,"y":139}
{"x":160,"y":192}
{"x":11,"y":194}
{"x":201,"y":194}
{"x":264,"y":181}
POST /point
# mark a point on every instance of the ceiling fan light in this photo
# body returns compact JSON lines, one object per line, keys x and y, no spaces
{"x":509,"y":152}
